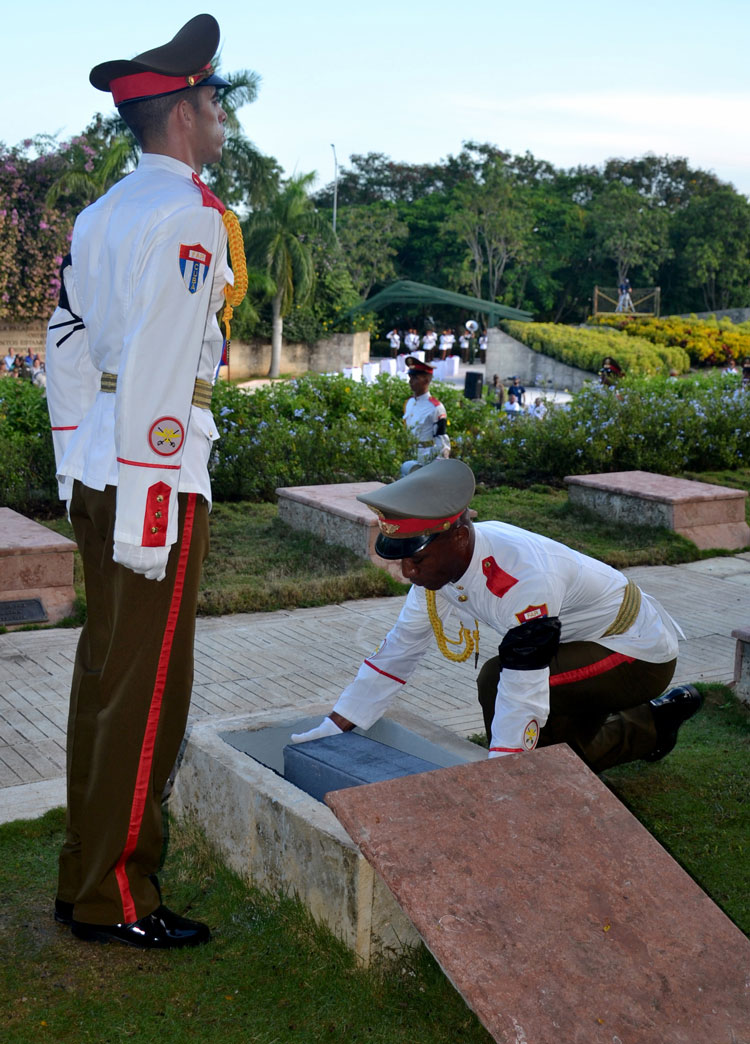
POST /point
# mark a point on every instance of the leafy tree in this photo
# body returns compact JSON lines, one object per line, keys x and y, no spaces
{"x":629,"y":230}
{"x":278,"y":239}
{"x":712,"y":243}
{"x":369,"y":236}
{"x":494,"y":220}
{"x":665,"y":180}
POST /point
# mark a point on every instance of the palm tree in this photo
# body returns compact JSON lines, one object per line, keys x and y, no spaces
{"x":243,"y":175}
{"x":279,"y":239}
{"x":95,"y":161}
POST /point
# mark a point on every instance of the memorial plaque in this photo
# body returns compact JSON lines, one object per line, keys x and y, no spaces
{"x":556,"y":915}
{"x":22,"y":611}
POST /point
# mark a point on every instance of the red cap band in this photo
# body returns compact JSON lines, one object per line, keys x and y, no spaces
{"x":151,"y":84}
{"x":396,"y":527}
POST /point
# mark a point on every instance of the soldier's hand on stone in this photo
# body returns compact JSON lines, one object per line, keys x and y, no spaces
{"x":333,"y":725}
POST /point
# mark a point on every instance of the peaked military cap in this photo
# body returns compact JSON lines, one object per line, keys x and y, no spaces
{"x":183,"y":62}
{"x":415,"y":365}
{"x":417,"y":508}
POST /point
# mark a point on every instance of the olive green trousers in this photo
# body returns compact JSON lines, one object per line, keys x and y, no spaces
{"x":599,"y":703}
{"x":129,"y":703}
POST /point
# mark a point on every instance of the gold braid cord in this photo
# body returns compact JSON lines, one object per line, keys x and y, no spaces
{"x":469,"y":639}
{"x":234,"y":294}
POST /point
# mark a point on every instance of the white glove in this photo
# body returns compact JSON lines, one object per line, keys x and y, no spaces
{"x":151,"y":562}
{"x":326,"y":728}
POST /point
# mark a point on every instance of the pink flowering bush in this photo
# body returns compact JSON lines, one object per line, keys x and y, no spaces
{"x":33,"y":236}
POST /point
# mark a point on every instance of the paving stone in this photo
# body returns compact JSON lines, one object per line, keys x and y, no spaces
{"x":278,"y":659}
{"x":555,"y":914}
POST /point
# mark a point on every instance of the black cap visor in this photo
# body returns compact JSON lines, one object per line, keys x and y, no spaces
{"x":387,"y":547}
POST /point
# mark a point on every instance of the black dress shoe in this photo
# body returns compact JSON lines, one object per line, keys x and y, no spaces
{"x":63,"y":912}
{"x":670,"y":711}
{"x":160,"y":930}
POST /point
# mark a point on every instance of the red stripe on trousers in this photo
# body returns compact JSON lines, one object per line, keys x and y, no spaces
{"x":146,"y":760}
{"x":591,"y":670}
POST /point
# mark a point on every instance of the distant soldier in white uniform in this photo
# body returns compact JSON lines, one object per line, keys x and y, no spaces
{"x":425,"y":417}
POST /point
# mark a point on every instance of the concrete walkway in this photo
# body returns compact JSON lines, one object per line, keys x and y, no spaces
{"x":306,"y":656}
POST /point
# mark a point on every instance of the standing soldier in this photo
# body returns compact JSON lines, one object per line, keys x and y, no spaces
{"x":131,"y":353}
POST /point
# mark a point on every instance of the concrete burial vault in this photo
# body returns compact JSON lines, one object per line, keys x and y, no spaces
{"x":555,"y":914}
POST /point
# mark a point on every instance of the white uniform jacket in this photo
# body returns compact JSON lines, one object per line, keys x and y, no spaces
{"x":148,"y":271}
{"x":421,"y":416}
{"x":514,"y":576}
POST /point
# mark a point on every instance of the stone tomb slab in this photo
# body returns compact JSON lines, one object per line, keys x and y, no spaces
{"x":348,"y":760}
{"x":555,"y":914}
{"x":333,"y":513}
{"x":711,"y":516}
{"x":35,"y":563}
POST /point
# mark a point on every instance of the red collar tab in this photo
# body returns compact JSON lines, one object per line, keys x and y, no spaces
{"x":150,"y":84}
{"x":497,"y":580}
{"x":209,"y":199}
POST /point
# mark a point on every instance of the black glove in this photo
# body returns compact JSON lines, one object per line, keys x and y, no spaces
{"x":531,"y":645}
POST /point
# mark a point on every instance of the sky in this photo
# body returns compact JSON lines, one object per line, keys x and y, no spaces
{"x":573,"y":83}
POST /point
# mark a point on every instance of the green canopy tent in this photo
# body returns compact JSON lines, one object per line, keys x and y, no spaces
{"x":404,"y":291}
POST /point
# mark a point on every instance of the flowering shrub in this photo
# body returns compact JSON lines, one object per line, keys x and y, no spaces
{"x":312,"y":430}
{"x":708,"y":342}
{"x":33,"y":237}
{"x":585,"y":348}
{"x":319,"y":429}
{"x":664,"y":425}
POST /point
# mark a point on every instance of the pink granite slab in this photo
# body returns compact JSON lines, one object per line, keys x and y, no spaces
{"x":551,"y":909}
{"x":650,"y":486}
{"x":21,"y":535}
{"x":337,"y":498}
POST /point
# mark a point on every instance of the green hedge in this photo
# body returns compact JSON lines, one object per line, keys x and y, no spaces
{"x":585,"y":348}
{"x":321,"y":429}
{"x":661,"y":424}
{"x":27,"y":457}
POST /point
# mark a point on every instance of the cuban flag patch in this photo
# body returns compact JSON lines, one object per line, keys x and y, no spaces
{"x":194,"y":264}
{"x":532,"y":612}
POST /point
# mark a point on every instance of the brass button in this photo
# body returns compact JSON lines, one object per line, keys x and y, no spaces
{"x":158,"y":514}
{"x":463,"y":598}
{"x":159,"y":498}
{"x":154,"y":529}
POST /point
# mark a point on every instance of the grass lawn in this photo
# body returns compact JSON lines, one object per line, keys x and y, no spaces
{"x":271,"y":976}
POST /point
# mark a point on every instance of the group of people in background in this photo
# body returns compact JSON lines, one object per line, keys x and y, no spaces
{"x":27,"y":367}
{"x":512,"y":400}
{"x":732,"y":370}
{"x":439,"y":345}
